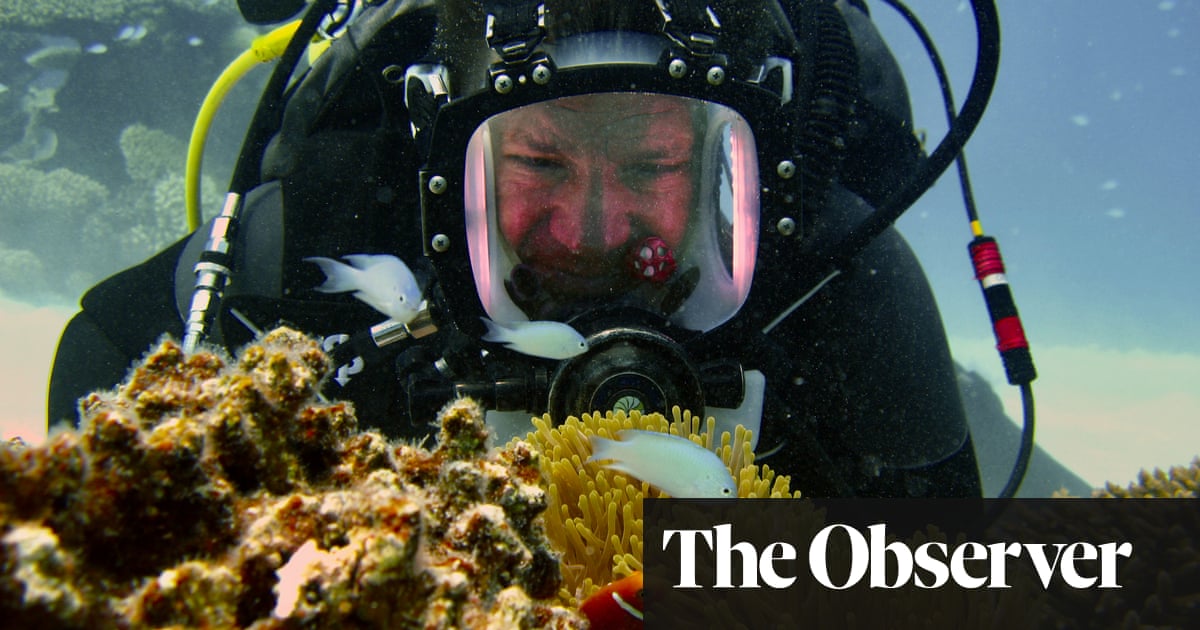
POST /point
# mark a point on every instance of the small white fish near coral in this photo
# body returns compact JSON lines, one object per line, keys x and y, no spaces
{"x":673,"y":464}
{"x":381,"y":281}
{"x":546,"y":339}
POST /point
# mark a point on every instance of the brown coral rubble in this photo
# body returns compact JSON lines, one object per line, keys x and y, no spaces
{"x":210,"y":493}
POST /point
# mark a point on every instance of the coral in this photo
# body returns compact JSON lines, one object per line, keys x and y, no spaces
{"x":206,"y":491}
{"x":41,"y":570}
{"x":592,"y":508}
{"x":1153,"y":596}
{"x":151,"y":212}
{"x":87,"y":220}
{"x":148,"y":213}
{"x":1163,"y":594}
{"x":31,"y":13}
{"x":1179,"y":482}
{"x":29,"y":196}
{"x":150,"y":153}
{"x":43,"y":214}
{"x":21,"y":271}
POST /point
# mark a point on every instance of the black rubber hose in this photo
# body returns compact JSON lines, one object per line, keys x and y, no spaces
{"x":1026,"y":450}
{"x":987,"y":26}
{"x":247,"y":173}
{"x":943,"y":78}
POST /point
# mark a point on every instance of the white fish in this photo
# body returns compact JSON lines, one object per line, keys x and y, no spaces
{"x":673,"y":464}
{"x":546,"y":339}
{"x":131,"y":33}
{"x":381,"y":281}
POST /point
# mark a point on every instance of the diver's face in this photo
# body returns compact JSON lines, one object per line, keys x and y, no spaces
{"x":581,"y":180}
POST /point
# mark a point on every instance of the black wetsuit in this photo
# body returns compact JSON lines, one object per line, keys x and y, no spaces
{"x":859,"y":378}
{"x":861,"y":392}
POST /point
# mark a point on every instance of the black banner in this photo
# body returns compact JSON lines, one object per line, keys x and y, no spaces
{"x":939,"y":563}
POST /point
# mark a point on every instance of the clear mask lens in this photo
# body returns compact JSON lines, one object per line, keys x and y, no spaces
{"x":638,"y":199}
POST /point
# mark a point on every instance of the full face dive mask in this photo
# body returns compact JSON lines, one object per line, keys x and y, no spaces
{"x":607,"y":180}
{"x":665,"y":290}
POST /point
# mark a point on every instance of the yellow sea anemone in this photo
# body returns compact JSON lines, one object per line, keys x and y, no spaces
{"x":594,"y":516}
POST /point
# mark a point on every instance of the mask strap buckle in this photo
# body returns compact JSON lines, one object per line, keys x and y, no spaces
{"x":691,"y":24}
{"x":515,"y":29}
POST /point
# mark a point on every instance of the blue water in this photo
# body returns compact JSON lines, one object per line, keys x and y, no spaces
{"x":1085,"y":168}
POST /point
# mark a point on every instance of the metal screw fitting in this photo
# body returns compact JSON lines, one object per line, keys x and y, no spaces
{"x":786,"y":226}
{"x":541,"y":74}
{"x":786,"y":169}
{"x":393,"y":74}
{"x":503,"y":84}
{"x":437,"y":184}
{"x":677,"y":68}
{"x":440,"y":242}
{"x":716,"y":75}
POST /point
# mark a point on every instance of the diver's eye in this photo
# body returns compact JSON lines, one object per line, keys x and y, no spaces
{"x":536,"y":162}
{"x":644,"y":175}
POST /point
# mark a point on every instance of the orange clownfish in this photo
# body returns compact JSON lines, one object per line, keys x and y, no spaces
{"x":617,"y":606}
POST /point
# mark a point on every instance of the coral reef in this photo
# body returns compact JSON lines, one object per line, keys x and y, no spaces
{"x":76,"y":230}
{"x":90,"y":82}
{"x":1161,"y":585}
{"x":21,"y":271}
{"x":1154,"y":596}
{"x":1180,"y":482}
{"x":59,"y":195}
{"x":595,"y":514}
{"x":33,"y":13}
{"x":43,"y":213}
{"x":150,"y":154}
{"x":149,"y":213}
{"x":221,"y":493}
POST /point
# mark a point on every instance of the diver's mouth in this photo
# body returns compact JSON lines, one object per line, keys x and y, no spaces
{"x":586,"y":266}
{"x":566,"y":281}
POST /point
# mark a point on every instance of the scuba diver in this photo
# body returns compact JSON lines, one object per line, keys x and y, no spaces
{"x":669,"y":178}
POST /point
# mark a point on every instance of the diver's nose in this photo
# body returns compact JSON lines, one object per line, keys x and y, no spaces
{"x":595,"y":219}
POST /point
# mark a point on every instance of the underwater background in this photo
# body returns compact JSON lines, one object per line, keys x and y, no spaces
{"x":1083,"y":168}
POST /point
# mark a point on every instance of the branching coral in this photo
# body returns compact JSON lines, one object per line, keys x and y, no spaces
{"x":204,"y":492}
{"x":43,"y":214}
{"x":147,"y":214}
{"x":27,"y":13}
{"x":150,"y":153}
{"x":1179,"y":482}
{"x":21,"y":272}
{"x":85,"y":219}
{"x":595,"y":515}
{"x":29,"y":196}
{"x":150,"y":214}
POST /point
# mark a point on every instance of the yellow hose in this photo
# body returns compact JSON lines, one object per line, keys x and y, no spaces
{"x":264,"y":49}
